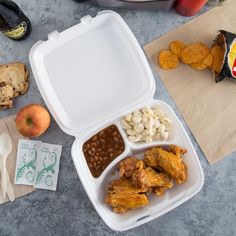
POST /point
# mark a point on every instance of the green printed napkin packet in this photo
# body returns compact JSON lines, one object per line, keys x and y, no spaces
{"x":47,"y":166}
{"x":38,"y":164}
{"x":26,"y":160}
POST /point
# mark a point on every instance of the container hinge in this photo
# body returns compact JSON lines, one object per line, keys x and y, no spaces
{"x":53,"y":36}
{"x":86,"y":20}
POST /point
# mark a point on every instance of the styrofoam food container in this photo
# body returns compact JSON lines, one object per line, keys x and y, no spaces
{"x":92,"y":75}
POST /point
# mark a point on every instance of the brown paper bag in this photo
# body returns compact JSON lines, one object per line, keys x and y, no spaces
{"x":208,"y":108}
{"x":7,"y":125}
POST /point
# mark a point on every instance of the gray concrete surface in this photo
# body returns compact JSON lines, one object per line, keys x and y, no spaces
{"x":68,"y":211}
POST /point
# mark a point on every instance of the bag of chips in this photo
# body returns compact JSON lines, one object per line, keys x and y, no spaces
{"x":224,"y":56}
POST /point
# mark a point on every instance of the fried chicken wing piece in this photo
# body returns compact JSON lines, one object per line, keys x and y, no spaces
{"x":177,"y":150}
{"x":123,"y":201}
{"x":170,"y":163}
{"x":124,"y":185}
{"x":123,"y":195}
{"x":149,"y":178}
{"x":127,"y":166}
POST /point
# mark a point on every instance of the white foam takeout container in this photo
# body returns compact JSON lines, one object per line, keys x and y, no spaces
{"x":90,"y":76}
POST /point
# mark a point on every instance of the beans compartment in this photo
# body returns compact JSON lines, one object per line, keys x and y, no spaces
{"x":102,"y":148}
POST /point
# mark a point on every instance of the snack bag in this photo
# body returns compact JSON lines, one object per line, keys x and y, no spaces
{"x":224,"y":56}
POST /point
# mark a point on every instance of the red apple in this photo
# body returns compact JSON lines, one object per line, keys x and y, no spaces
{"x":32,"y":120}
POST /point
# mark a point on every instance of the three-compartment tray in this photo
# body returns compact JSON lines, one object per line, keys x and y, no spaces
{"x":92,"y":75}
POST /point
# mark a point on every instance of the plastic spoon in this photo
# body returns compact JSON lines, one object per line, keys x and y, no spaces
{"x":5,"y":150}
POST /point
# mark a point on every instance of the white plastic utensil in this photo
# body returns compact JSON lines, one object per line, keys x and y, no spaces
{"x":10,"y":190}
{"x":5,"y":150}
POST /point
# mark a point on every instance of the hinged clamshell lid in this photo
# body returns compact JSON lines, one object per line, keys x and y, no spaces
{"x":91,"y":72}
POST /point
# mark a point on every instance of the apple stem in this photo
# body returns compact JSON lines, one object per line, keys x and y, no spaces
{"x":29,"y":121}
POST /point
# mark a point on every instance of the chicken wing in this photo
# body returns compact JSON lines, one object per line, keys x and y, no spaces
{"x":123,"y":195}
{"x":127,"y":166}
{"x":124,"y":185}
{"x":178,"y":151}
{"x":161,"y":165}
{"x":172,"y":164}
{"x":149,"y":178}
{"x":121,"y":202}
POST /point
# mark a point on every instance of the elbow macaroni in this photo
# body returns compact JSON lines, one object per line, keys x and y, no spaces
{"x":147,"y":125}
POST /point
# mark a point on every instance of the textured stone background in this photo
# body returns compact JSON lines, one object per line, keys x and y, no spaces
{"x":68,"y":211}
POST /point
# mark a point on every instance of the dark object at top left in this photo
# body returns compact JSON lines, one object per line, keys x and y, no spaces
{"x":13,"y":22}
{"x":158,"y":5}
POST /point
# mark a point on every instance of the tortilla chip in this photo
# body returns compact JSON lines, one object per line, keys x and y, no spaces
{"x":218,"y":58}
{"x":194,"y":53}
{"x":198,"y":66}
{"x":177,"y":47}
{"x":167,"y":60}
{"x":208,"y":61}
